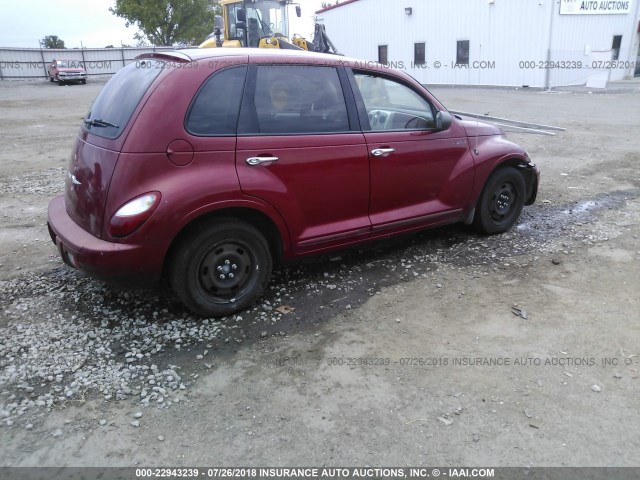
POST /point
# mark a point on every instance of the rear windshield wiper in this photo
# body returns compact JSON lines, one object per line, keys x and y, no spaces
{"x":99,"y":123}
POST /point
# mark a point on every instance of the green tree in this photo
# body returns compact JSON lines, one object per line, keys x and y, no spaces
{"x":169,"y":22}
{"x":52,"y":41}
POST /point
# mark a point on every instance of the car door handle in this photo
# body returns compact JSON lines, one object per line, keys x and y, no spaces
{"x":382,"y":152}
{"x":259,"y":160}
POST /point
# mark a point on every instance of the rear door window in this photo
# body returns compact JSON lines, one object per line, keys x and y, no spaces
{"x":116,"y":102}
{"x":299,"y":100}
{"x":217,"y":104}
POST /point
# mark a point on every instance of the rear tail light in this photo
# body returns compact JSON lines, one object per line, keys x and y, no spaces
{"x":133,"y":214}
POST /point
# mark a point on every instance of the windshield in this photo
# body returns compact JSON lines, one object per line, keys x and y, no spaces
{"x":263,"y":19}
{"x":116,"y":102}
{"x":77,"y":64}
{"x":272,"y":15}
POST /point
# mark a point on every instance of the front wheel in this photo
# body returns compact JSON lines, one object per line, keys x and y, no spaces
{"x":221,"y":267}
{"x":501,"y":201}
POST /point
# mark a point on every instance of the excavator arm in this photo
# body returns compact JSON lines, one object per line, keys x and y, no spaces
{"x":321,"y":41}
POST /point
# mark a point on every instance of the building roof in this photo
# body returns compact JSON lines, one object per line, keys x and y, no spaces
{"x":331,"y":7}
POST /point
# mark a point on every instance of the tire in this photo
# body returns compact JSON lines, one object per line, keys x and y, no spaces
{"x":223,"y":248}
{"x":83,"y":82}
{"x":501,"y":201}
{"x":60,"y":82}
{"x":51,"y":79}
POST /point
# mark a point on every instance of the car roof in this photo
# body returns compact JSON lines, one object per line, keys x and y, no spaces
{"x":196,"y":54}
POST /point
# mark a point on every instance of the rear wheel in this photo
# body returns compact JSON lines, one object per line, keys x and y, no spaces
{"x":221,"y":267}
{"x":501,"y":201}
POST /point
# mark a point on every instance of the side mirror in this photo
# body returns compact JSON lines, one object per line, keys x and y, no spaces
{"x":443,"y":120}
{"x":298,"y":11}
{"x":241,"y":15}
{"x":218,"y":22}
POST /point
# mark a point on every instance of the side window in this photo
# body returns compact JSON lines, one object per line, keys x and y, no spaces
{"x":299,"y":99}
{"x":236,"y":32}
{"x":391,"y":105}
{"x":383,"y":54}
{"x":419,"y":57}
{"x":615,"y":47}
{"x":217,"y":104}
{"x":462,"y":52}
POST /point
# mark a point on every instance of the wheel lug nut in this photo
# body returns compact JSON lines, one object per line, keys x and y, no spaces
{"x":227,"y":262}
{"x":219,"y":268}
{"x":222,"y":277}
{"x":234,"y":267}
{"x":231,"y":275}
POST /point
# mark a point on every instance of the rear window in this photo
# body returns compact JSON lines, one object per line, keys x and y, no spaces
{"x":114,"y":105}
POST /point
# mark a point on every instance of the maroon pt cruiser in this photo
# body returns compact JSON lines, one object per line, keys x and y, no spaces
{"x":206,"y":166}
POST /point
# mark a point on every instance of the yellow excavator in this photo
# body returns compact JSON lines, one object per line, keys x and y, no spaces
{"x":263,"y":24}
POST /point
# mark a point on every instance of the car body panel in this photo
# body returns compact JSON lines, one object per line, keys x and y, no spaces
{"x":116,"y":262}
{"x":426,"y":174}
{"x":320,"y":184}
{"x":479,"y":129}
{"x":209,"y":178}
{"x":493,"y":150}
{"x":87,"y":184}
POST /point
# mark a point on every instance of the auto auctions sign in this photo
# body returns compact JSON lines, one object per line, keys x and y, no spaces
{"x":594,"y":7}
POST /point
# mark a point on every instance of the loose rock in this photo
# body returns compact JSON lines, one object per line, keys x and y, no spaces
{"x":446,"y":421}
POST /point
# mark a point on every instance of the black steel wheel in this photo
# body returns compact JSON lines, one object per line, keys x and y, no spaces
{"x":220,"y":268}
{"x":501,"y":201}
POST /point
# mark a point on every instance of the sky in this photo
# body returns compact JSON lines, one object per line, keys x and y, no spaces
{"x":89,"y":23}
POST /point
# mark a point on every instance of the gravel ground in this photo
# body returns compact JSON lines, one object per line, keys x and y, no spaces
{"x":91,"y":374}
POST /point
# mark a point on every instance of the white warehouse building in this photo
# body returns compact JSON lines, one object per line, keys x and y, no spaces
{"x":535,"y":43}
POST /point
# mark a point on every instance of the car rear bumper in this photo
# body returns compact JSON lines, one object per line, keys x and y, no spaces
{"x":113,"y":262}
